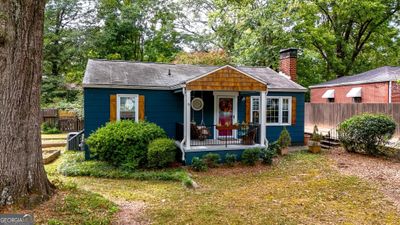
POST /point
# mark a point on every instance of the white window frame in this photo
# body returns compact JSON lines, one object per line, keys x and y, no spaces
{"x":280,"y":117}
{"x":136,"y":96}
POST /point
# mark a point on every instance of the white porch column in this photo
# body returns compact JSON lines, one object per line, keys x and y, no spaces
{"x":187,"y":117}
{"x":263,"y":117}
{"x":184,"y":113}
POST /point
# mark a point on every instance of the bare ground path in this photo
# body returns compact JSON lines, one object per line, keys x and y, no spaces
{"x":383,"y":172}
{"x":130,"y":213}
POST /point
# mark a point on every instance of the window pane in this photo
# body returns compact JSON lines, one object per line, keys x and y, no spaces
{"x":127,"y":108}
{"x":285,"y":110}
{"x":273,"y":110}
{"x":256,"y":118}
{"x":256,"y":104}
{"x":255,"y":110}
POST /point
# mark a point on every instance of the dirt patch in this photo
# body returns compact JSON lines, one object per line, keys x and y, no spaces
{"x":130,"y":213}
{"x":384,"y":172}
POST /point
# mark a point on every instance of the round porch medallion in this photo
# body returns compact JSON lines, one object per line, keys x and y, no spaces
{"x":197,"y":104}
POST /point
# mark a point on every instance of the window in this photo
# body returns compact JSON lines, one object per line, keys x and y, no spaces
{"x":255,"y":110}
{"x":278,"y":110}
{"x":127,"y":107}
{"x":357,"y":100}
{"x":331,"y":100}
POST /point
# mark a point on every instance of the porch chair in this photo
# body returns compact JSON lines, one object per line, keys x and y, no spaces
{"x":248,"y":139}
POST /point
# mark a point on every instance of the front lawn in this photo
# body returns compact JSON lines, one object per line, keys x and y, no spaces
{"x":302,"y":188}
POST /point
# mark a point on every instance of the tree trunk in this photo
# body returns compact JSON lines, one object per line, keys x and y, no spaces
{"x":23,"y":179}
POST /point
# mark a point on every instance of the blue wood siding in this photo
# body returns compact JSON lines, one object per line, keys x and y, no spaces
{"x":164,"y":108}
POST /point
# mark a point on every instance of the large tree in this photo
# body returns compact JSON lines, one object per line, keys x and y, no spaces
{"x":23,"y":179}
{"x":342,"y":31}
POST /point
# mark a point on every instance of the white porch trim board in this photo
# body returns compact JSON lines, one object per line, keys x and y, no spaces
{"x":187,"y":119}
{"x":263,"y":117}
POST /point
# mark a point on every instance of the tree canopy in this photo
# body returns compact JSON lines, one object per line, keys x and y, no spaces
{"x":335,"y":37}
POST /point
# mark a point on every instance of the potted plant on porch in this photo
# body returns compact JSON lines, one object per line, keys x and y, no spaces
{"x":314,"y":144}
{"x":284,"y":142}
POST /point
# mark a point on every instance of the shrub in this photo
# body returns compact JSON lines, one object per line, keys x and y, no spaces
{"x":316,"y":136}
{"x":124,"y":143}
{"x":230,"y":159}
{"x":161,"y":152}
{"x":284,"y":139}
{"x":198,"y":164}
{"x":251,"y":156}
{"x":269,"y":153}
{"x":366,"y":133}
{"x":211,"y":160}
{"x":49,"y":128}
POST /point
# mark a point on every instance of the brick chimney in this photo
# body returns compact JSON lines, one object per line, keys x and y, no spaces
{"x":288,"y":62}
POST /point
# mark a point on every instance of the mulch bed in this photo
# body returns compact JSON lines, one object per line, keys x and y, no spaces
{"x":382,"y":171}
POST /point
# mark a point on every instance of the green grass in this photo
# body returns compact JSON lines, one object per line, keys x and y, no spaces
{"x":73,"y":164}
{"x":75,"y":206}
{"x":303,"y":188}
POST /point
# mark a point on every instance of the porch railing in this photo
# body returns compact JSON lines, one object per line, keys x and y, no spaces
{"x":221,"y":135}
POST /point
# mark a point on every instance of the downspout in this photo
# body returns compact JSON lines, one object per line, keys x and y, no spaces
{"x":184,"y":128}
{"x":266,"y":140}
{"x":390,"y":91}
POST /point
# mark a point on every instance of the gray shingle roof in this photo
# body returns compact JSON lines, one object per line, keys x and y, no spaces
{"x":382,"y":74}
{"x":168,"y":76}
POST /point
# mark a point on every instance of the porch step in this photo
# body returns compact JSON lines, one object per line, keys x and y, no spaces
{"x":329,"y":143}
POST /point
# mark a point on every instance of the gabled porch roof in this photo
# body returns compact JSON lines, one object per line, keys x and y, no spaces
{"x":226,"y":78}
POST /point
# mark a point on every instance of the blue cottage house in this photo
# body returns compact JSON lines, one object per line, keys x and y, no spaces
{"x":204,"y":108}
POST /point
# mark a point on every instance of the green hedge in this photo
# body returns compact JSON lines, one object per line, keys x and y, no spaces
{"x":366,"y":133}
{"x":161,"y":152}
{"x":74,"y":164}
{"x":124,"y":143}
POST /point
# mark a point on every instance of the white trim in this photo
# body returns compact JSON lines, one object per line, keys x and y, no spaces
{"x":136,"y":96}
{"x":127,"y":87}
{"x":234,"y":96}
{"x":280,"y":117}
{"x":287,"y":90}
{"x":174,"y":87}
{"x":223,"y":67}
{"x":349,"y":83}
{"x":263,"y":117}
{"x":219,"y":148}
{"x":187,"y":122}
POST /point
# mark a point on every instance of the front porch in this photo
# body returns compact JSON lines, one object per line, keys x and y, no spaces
{"x":216,"y":114}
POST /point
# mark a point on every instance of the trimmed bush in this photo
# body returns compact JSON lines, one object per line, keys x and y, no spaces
{"x":161,"y":152}
{"x":366,"y":133}
{"x":230,"y":159}
{"x":124,"y":143}
{"x":211,"y":159}
{"x":269,"y":153}
{"x":251,"y":156}
{"x":198,"y":164}
{"x":284,"y":139}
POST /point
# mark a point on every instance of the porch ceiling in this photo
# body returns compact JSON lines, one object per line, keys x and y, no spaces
{"x":226,"y":79}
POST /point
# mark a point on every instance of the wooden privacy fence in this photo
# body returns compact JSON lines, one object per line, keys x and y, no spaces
{"x":329,"y":115}
{"x":65,"y":121}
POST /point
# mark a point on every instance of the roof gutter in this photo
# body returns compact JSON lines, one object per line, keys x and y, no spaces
{"x":349,"y":83}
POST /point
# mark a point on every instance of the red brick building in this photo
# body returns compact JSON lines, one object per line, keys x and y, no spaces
{"x":375,"y":86}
